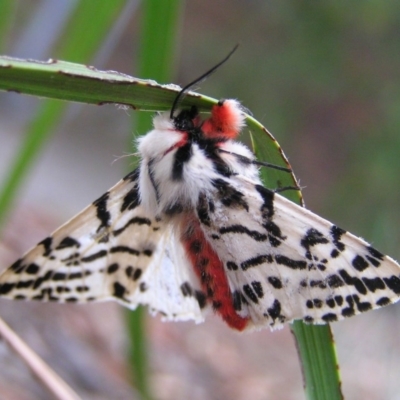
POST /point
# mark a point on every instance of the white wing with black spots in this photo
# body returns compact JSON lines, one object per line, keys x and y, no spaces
{"x":284,"y":262}
{"x":111,"y":250}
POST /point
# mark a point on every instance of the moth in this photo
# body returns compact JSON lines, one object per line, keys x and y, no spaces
{"x":194,"y":229}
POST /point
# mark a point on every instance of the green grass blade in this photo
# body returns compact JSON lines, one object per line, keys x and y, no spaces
{"x":160,"y":25}
{"x":50,"y":112}
{"x":86,"y":29}
{"x":7,"y":10}
{"x":39,"y":131}
{"x":318,"y":358}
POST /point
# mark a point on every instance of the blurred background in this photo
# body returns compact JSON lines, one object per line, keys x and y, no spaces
{"x":323,"y":77}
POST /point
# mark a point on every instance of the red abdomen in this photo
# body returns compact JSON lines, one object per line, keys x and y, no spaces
{"x":210,"y":270}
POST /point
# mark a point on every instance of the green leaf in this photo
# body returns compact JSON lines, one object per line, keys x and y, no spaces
{"x":75,"y":82}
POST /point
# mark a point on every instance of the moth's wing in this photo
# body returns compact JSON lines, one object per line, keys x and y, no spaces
{"x":111,"y":250}
{"x":284,"y":263}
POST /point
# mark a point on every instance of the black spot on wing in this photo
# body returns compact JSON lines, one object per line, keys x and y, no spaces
{"x":132,"y":176}
{"x":101,"y":211}
{"x":362,"y":306}
{"x":18,"y":266}
{"x":373,"y":261}
{"x":129,"y":271}
{"x":275,"y":311}
{"x":71,"y":299}
{"x":228,"y":195}
{"x":119,"y":290}
{"x":201,"y":298}
{"x":253,"y":262}
{"x":148,"y":252}
{"x":39,"y":281}
{"x":32,"y":269}
{"x":203,"y":209}
{"x":339,"y":300}
{"x":143,"y":287}
{"x":275,"y":282}
{"x":383,"y":301}
{"x":94,"y":256}
{"x":240,"y":229}
{"x":352,"y":301}
{"x":336,"y":234}
{"x":112,"y":268}
{"x":329,"y":317}
{"x":257,"y":287}
{"x":237,"y":300}
{"x":330,"y":302}
{"x":62,"y":289}
{"x":375,"y":253}
{"x":274,"y":233}
{"x":131,"y":199}
{"x":317,"y":303}
{"x":133,"y":221}
{"x":232,"y":266}
{"x":374,"y":284}
{"x":335,"y":253}
{"x":313,"y":237}
{"x":186,"y":289}
{"x":289,"y":262}
{"x":353,"y":280}
{"x":124,"y":249}
{"x":267,"y":195}
{"x":68,"y":242}
{"x":359,"y":263}
{"x":249,"y":292}
{"x":349,"y":311}
{"x":393,"y":283}
{"x":374,"y":256}
{"x":137,"y":274}
{"x":60,"y":276}
{"x":24,"y":284}
{"x":6,"y":288}
{"x":46,"y":243}
{"x":319,"y":283}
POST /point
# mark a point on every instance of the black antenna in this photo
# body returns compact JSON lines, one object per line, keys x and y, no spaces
{"x":208,"y":73}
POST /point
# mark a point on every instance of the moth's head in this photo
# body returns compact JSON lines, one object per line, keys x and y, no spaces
{"x":187,"y":120}
{"x":225,"y":122}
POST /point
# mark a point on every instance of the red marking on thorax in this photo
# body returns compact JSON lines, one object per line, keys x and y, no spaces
{"x":210,"y":270}
{"x":181,"y":143}
{"x":225,"y":121}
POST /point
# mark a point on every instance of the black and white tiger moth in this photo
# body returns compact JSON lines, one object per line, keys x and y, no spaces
{"x":193,"y":228}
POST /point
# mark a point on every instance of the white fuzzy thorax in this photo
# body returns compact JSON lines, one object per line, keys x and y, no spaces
{"x":155,"y":148}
